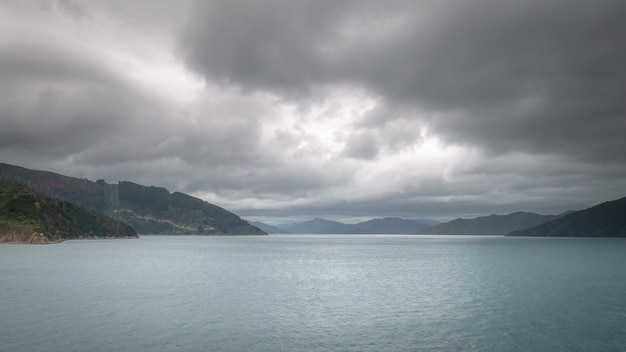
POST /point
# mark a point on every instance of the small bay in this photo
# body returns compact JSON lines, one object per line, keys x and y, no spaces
{"x":315,"y":293}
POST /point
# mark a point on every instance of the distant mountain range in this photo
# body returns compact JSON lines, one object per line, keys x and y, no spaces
{"x":607,"y":219}
{"x":29,"y":217}
{"x":604,"y":220}
{"x":267,"y":228}
{"x":375,"y":226}
{"x":318,"y":226}
{"x":388,"y":226}
{"x":51,"y":206}
{"x":488,"y":225}
{"x":148,"y":210}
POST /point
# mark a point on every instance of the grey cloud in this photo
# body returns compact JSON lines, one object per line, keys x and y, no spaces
{"x":361,"y":146}
{"x":57,"y":101}
{"x":73,"y":8}
{"x":260,"y":44}
{"x":37,"y":61}
{"x":53,"y":125}
{"x":60,"y":102}
{"x":395,"y":128}
{"x":435,"y":209}
{"x":475,"y":192}
{"x":544,"y":77}
{"x":533,"y":91}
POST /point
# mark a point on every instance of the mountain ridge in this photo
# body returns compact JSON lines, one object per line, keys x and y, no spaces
{"x":387,"y":225}
{"x":488,"y":225}
{"x":318,"y":226}
{"x":607,"y":219}
{"x":268,"y":228}
{"x":148,"y":209}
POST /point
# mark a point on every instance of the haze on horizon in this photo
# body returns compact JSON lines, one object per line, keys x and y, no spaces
{"x":343,"y":110}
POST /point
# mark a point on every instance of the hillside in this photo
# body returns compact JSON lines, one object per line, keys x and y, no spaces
{"x":603,"y":220}
{"x":387,"y":226}
{"x":375,"y":226}
{"x":149,"y":210}
{"x":318,"y":226}
{"x":267,"y":228}
{"x":488,"y":225}
{"x":29,"y":217}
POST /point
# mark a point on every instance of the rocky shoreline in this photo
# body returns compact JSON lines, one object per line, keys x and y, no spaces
{"x":24,"y":237}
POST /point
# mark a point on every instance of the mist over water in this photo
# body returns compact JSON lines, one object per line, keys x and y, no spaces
{"x":315,"y":293}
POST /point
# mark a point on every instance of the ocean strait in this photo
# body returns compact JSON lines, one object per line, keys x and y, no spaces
{"x":314,"y":293}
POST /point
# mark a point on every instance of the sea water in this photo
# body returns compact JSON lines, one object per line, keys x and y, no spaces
{"x":314,"y":293}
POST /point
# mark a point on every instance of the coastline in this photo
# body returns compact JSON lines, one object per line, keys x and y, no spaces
{"x":39,"y":238}
{"x":23,"y":237}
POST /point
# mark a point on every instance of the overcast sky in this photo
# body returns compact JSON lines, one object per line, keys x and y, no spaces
{"x":284,"y":110}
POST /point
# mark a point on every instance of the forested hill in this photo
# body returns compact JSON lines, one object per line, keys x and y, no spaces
{"x":607,"y":219}
{"x":30,"y":217}
{"x":148,"y":210}
{"x":488,"y":225}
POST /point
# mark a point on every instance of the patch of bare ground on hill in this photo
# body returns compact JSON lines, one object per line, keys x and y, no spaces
{"x":17,"y":236}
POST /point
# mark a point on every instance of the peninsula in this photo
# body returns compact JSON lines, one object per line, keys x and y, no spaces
{"x":147,"y":209}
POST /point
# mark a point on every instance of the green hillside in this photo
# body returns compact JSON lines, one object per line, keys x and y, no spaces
{"x":148,"y":210}
{"x":156,"y":210}
{"x":603,"y":220}
{"x":29,"y":217}
{"x":488,"y":225}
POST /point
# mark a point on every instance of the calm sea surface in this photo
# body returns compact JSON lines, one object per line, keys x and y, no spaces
{"x":314,"y":293}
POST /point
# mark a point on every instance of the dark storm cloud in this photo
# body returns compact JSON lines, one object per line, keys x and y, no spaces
{"x":324,"y":108}
{"x":57,"y":100}
{"x":269,"y":44}
{"x":537,"y":76}
{"x":66,"y":106}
